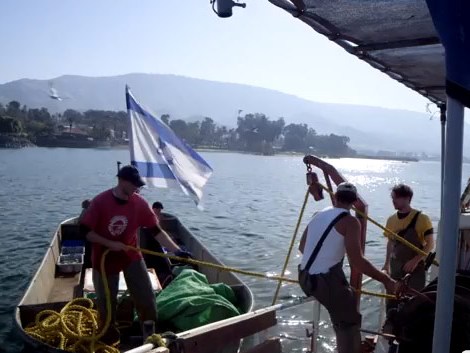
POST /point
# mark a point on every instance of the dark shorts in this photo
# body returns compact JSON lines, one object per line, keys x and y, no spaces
{"x":139,"y":286}
{"x":333,"y":291}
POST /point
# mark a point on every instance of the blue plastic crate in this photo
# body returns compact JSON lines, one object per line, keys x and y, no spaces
{"x":72,"y":243}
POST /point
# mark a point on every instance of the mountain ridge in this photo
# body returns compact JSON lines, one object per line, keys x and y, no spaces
{"x":369,"y":127}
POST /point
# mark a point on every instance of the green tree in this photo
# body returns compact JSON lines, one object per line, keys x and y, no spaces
{"x":41,"y":115}
{"x":311,"y":140}
{"x":10,"y":125}
{"x":295,"y":137}
{"x":257,"y":132}
{"x":35,"y":128}
{"x":72,"y":117}
{"x":13,"y":109}
{"x":166,"y":118}
{"x":193,"y":136}
{"x":100,"y":132}
{"x":334,"y":145}
{"x":207,"y":131}
{"x":179,"y":127}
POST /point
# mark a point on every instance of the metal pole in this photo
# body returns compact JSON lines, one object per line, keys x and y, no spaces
{"x":443,"y":151}
{"x":450,"y":227}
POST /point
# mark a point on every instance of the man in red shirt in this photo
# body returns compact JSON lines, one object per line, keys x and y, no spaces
{"x":112,"y":222}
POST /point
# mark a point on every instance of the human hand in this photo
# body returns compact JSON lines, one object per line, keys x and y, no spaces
{"x":386,"y":268}
{"x":184,"y":254}
{"x":391,"y":286}
{"x":117,"y":246}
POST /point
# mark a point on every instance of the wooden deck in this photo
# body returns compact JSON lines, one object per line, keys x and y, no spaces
{"x":65,"y":288}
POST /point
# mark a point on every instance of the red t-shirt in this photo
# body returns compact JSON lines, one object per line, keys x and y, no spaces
{"x":120,"y":222}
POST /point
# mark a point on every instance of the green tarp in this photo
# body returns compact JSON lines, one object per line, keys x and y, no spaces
{"x":189,"y":301}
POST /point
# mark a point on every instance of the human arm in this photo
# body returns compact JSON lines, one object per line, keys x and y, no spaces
{"x":411,"y":265}
{"x":390,"y":244}
{"x":388,"y":254}
{"x":356,"y":258}
{"x":425,"y":230}
{"x":164,"y":239}
{"x":113,"y":245}
{"x":303,"y":240}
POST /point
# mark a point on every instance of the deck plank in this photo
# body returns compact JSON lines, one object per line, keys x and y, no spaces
{"x":64,"y":288}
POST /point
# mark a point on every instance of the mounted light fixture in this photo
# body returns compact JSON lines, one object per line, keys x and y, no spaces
{"x":224,"y":7}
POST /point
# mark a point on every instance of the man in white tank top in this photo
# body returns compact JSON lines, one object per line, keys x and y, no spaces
{"x":332,"y":233}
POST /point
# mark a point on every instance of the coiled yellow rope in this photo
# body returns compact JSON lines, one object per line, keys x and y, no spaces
{"x":75,"y":328}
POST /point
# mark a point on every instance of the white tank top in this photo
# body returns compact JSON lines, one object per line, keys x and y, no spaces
{"x":332,"y":250}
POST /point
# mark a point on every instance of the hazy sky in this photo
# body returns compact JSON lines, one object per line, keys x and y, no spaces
{"x":260,"y":45}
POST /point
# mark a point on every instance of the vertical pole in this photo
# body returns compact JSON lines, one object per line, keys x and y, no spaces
{"x":450,"y":226}
{"x":443,"y":152}
{"x":356,"y":276}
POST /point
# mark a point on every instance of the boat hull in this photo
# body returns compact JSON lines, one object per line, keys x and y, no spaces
{"x":46,"y":290}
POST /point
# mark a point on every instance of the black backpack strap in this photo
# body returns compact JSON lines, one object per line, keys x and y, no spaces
{"x":412,"y":224}
{"x":322,"y":239}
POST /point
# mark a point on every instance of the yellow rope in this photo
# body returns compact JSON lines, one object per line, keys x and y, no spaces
{"x":156,"y":339}
{"x":214,"y":266}
{"x":378,"y":295}
{"x":74,"y":328}
{"x":286,"y":262}
{"x":243,"y":272}
{"x":389,"y":233}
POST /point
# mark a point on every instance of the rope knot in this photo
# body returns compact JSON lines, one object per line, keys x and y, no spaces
{"x":157,"y":340}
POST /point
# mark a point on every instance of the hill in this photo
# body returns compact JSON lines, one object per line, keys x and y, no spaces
{"x":368,"y":127}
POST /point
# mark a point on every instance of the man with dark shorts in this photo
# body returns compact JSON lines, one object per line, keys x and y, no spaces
{"x":112,"y":222}
{"x":331,"y":234}
{"x":415,"y":227}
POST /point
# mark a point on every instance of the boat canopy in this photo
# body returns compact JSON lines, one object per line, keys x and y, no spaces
{"x":396,"y":37}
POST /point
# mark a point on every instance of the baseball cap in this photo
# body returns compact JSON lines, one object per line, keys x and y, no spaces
{"x":346,"y":186}
{"x":131,"y":174}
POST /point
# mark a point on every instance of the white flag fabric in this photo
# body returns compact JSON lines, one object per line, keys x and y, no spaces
{"x":162,"y":158}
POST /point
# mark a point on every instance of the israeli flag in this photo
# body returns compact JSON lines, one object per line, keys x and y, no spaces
{"x":163,"y":159}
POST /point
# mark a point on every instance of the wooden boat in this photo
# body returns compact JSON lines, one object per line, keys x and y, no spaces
{"x":51,"y":290}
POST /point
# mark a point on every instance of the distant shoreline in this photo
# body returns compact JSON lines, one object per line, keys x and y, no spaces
{"x":22,"y":143}
{"x":388,"y":158}
{"x":300,"y":154}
